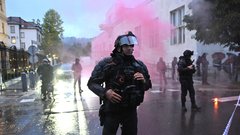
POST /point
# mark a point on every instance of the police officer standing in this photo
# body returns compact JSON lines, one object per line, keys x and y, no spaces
{"x":186,"y":70}
{"x":126,"y":79}
{"x":205,"y":64}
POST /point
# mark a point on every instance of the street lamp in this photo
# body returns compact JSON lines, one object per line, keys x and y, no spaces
{"x":13,"y":40}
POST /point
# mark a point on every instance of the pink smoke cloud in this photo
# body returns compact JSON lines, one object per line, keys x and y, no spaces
{"x":141,"y":19}
{"x":152,"y":28}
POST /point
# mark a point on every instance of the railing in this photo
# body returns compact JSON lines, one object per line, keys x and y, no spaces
{"x":213,"y":73}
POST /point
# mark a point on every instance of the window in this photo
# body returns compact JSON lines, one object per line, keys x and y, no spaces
{"x":22,"y":34}
{"x":138,"y":31}
{"x":173,"y":37}
{"x":154,"y":38}
{"x":38,"y":37}
{"x":178,"y":32}
{"x":3,"y":28}
{"x":22,"y":45}
{"x":12,"y":29}
{"x":155,"y":33}
{"x":1,"y":5}
{"x":13,"y":40}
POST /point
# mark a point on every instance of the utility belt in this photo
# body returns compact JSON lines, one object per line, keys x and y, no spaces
{"x":131,"y":96}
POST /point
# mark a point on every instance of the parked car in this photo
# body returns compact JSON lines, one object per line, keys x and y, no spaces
{"x":64,"y":71}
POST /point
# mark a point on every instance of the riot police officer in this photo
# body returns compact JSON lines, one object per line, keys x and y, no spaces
{"x":186,"y":70}
{"x":125,"y":80}
{"x":45,"y":70}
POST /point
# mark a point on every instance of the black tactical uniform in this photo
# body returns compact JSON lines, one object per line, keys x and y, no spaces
{"x":186,"y":80}
{"x":45,"y":70}
{"x":116,"y":72}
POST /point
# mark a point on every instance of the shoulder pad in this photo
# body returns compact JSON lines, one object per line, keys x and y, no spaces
{"x":105,"y":60}
{"x":139,"y":62}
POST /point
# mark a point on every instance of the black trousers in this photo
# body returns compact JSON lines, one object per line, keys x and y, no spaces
{"x":45,"y":87}
{"x":204,"y":76}
{"x":187,"y":86}
{"x":77,"y":80}
{"x":127,"y":119}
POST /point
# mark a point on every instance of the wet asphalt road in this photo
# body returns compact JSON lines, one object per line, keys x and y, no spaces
{"x":159,"y":114}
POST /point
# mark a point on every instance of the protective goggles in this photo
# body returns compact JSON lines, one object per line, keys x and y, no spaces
{"x":128,"y":40}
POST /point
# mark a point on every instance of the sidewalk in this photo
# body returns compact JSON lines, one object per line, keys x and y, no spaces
{"x":214,"y":85}
{"x":12,"y":92}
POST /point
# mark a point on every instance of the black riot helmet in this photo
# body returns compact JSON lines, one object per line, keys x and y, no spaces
{"x":128,"y":39}
{"x":187,"y":53}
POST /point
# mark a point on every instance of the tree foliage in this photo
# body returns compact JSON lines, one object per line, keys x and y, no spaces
{"x":75,"y":51}
{"x":215,"y":21}
{"x":52,"y":32}
{"x":78,"y":50}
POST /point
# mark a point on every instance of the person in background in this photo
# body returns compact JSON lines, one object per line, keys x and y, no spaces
{"x":198,"y":65}
{"x":32,"y":78}
{"x":125,"y":81}
{"x":228,"y":65}
{"x":236,"y":66}
{"x":217,"y":64}
{"x":174,"y":65}
{"x":162,"y":68}
{"x":45,"y":71}
{"x":77,"y":70}
{"x":205,"y":64}
{"x":186,"y":70}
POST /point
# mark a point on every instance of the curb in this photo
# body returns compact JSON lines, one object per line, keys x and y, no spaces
{"x":10,"y":83}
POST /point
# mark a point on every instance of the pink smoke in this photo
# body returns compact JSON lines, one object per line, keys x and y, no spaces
{"x":151,"y":31}
{"x":121,"y":19}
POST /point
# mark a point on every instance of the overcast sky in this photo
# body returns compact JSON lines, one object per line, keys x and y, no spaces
{"x":81,"y":17}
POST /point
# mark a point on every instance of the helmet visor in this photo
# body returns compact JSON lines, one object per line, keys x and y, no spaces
{"x":128,"y":40}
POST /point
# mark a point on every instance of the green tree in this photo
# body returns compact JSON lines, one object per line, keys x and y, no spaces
{"x":79,"y":50}
{"x":52,"y":33}
{"x":76,"y":50}
{"x":215,"y":21}
{"x":87,"y":49}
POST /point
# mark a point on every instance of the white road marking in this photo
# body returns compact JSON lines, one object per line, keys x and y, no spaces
{"x":230,"y":120}
{"x":173,"y":90}
{"x":156,"y":91}
{"x":226,"y":99}
{"x":159,"y":91}
{"x":216,"y":89}
{"x":27,"y":100}
{"x":82,"y":120}
{"x":237,"y":105}
{"x":197,"y":81}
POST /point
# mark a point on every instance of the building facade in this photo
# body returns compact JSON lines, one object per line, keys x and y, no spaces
{"x":3,"y":23}
{"x":180,"y":38}
{"x":24,"y":34}
{"x":13,"y":52}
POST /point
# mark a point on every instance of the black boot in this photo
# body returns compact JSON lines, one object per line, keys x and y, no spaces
{"x":184,"y":109}
{"x":80,"y":90}
{"x":183,"y":100}
{"x":44,"y":98}
{"x":196,"y":108}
